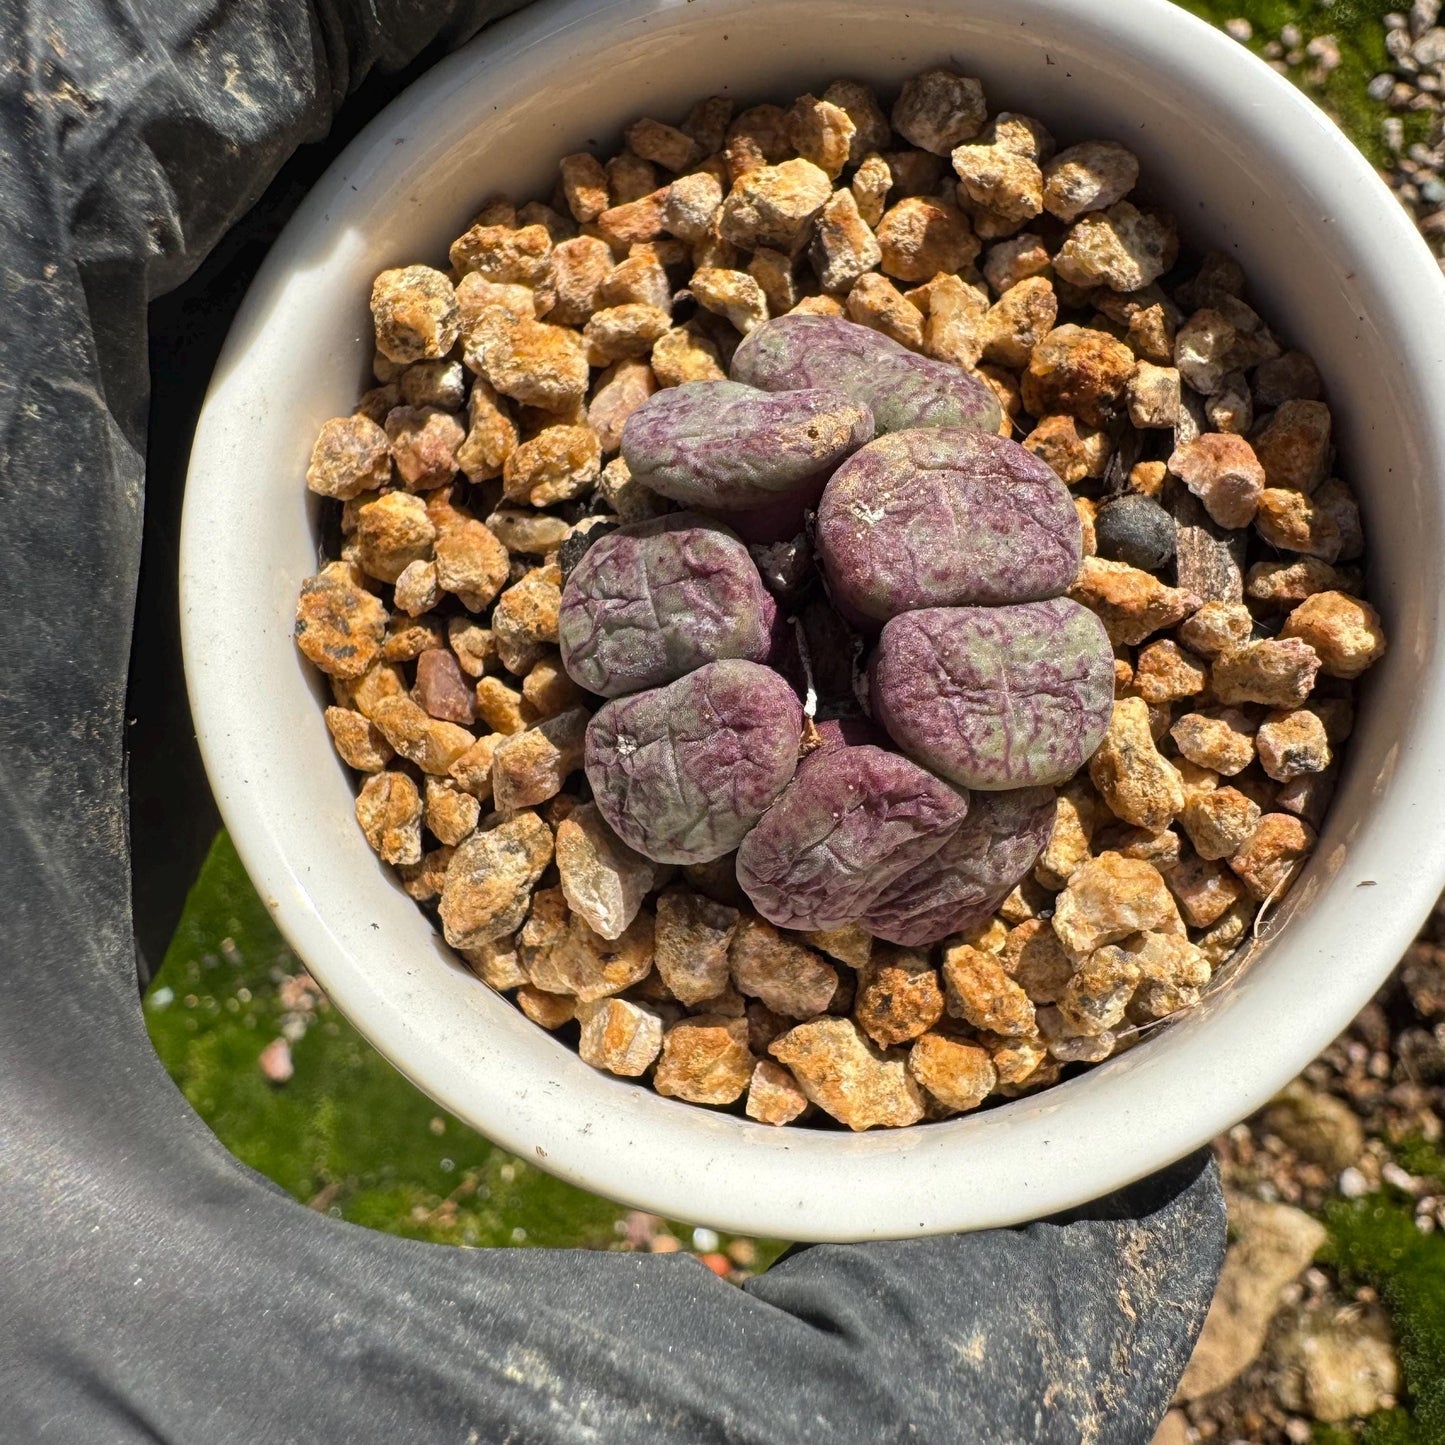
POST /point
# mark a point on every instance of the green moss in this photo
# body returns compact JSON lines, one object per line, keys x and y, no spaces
{"x":1421,"y":1158}
{"x":347,"y":1133}
{"x":1374,"y":1241}
{"x":1358,"y":29}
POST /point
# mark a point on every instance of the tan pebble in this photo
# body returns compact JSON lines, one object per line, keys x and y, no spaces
{"x":848,"y":1077}
{"x":500,"y":707}
{"x":843,"y":246}
{"x":707,"y":123}
{"x":1068,"y":1044}
{"x":380,"y":681}
{"x":547,"y":689}
{"x":1024,"y":135}
{"x":1205,"y":890}
{"x":1223,"y":472}
{"x":1138,"y":784}
{"x":525,"y":617}
{"x":773,"y":271}
{"x":1279,"y":672}
{"x":534,"y":534}
{"x":339,"y":625}
{"x":621,"y":1037}
{"x":423,"y":881}
{"x":603,"y":880}
{"x":495,"y":962}
{"x":662,"y":144}
{"x":957,"y":320}
{"x":388,"y":807}
{"x":491,"y":434}
{"x":584,"y":184}
{"x":471,"y":563}
{"x":351,"y":456}
{"x":705,"y":1060}
{"x":1015,"y":1060}
{"x":510,"y":257}
{"x":1220,"y":821}
{"x":416,"y":591}
{"x":473,"y":769}
{"x":757,"y":137}
{"x":734,"y":295}
{"x":490,"y":878}
{"x":1172,"y":970}
{"x":538,"y":364}
{"x":1088,"y":177}
{"x":1294,"y":522}
{"x":1231,"y":409}
{"x":1074,"y":451}
{"x":938,"y":110}
{"x":1220,"y":941}
{"x":546,"y":1010}
{"x":852,"y":944}
{"x":1274,"y":854}
{"x":1108,"y":899}
{"x":1131,"y":603}
{"x":764,"y":1025}
{"x":1221,"y":739}
{"x":641,"y":280}
{"x":374,"y":404}
{"x":1075,"y":817}
{"x":1153,"y":395}
{"x":693,"y":937}
{"x":414,"y":310}
{"x":899,"y":996}
{"x":1097,"y":996}
{"x":1122,"y":248}
{"x":1216,"y":627}
{"x":1035,"y":959}
{"x":1203,"y":349}
{"x":918,"y":238}
{"x":1288,"y":583}
{"x":1344,"y":632}
{"x":1005,"y":185}
{"x":559,"y":227}
{"x":358,"y":740}
{"x":451,"y":814}
{"x":424,"y":443}
{"x":957,"y":1074}
{"x":1087,"y":511}
{"x":441,"y":688}
{"x":870,"y":186}
{"x":875,"y":302}
{"x":1164,"y":672}
{"x":775,"y":206}
{"x":1291,"y":376}
{"x":684,"y":354}
{"x":473,"y":644}
{"x":1008,"y":262}
{"x":979,"y":991}
{"x":788,"y":977}
{"x":530,"y":767}
{"x":1292,"y":743}
{"x":631,"y":221}
{"x":1163,"y":849}
{"x":622,"y":331}
{"x":691,"y":206}
{"x":821,"y":132}
{"x":773,"y":1095}
{"x":488,"y":310}
{"x":579,"y":268}
{"x":563,"y":955}
{"x":1005,"y":387}
{"x":1019,"y":321}
{"x":1079,"y":371}
{"x":626,"y":496}
{"x":1147,"y":478}
{"x":393,"y":532}
{"x":630,"y":177}
{"x":432,"y":744}
{"x":1294,"y":445}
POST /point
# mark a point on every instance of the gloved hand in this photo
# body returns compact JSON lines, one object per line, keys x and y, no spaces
{"x":151,"y":1287}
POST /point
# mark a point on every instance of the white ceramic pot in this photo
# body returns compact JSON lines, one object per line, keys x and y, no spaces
{"x":1246,"y":164}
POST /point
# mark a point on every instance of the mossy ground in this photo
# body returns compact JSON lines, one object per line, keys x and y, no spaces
{"x":349,"y":1134}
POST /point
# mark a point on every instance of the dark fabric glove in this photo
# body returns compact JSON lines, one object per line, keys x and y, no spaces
{"x":151,"y":1287}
